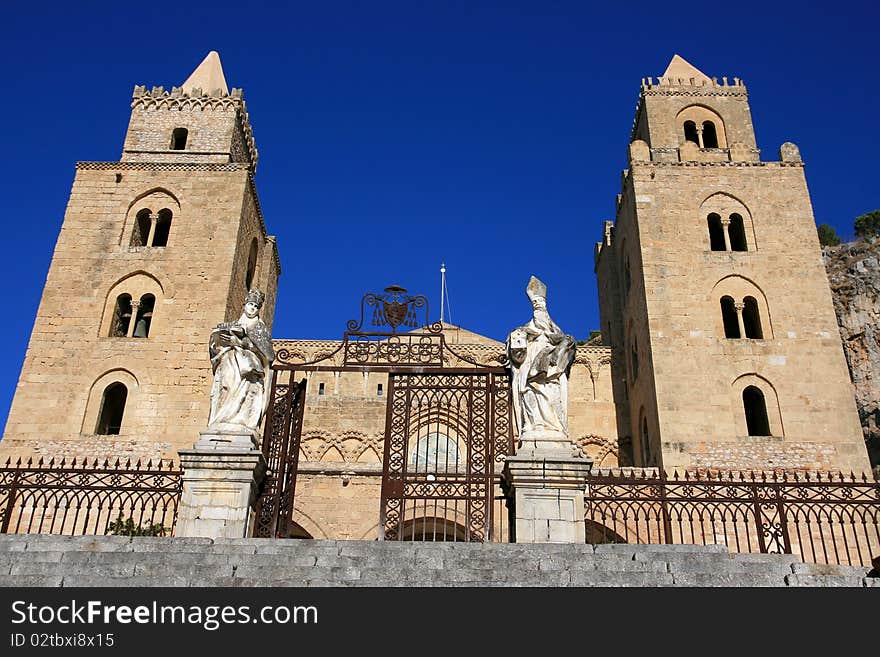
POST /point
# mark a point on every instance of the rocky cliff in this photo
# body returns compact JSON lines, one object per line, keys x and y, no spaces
{"x":854,"y":273}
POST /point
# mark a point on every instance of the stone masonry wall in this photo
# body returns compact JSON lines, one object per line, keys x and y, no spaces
{"x":798,"y":364}
{"x":71,"y":358}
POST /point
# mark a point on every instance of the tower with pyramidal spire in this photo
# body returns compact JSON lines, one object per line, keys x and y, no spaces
{"x":154,"y":250}
{"x":714,"y":297}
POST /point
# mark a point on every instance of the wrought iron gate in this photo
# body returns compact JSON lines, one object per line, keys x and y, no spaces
{"x":446,"y":435}
{"x":448,"y":429}
{"x":284,"y":419}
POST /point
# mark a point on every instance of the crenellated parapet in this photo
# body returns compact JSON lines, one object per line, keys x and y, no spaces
{"x":694,"y":86}
{"x":235,"y":141}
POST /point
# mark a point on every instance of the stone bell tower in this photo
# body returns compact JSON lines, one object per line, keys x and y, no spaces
{"x":714,"y":297}
{"x":155,"y":249}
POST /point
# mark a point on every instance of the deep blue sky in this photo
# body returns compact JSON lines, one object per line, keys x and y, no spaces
{"x":394,"y":136}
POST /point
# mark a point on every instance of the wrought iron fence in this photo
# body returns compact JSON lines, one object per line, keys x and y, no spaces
{"x":821,"y":518}
{"x":82,"y":497}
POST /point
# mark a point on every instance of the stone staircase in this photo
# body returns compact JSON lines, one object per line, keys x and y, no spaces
{"x":53,"y":561}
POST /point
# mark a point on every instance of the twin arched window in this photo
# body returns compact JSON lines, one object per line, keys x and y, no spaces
{"x":130,"y":306}
{"x":704,"y":135}
{"x":151,"y":229}
{"x":741,"y":319}
{"x":727,"y":235}
{"x":126,"y":310}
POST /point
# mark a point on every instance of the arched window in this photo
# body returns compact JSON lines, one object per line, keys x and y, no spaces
{"x":144,"y":316}
{"x":737,"y":232}
{"x":756,"y":412}
{"x":163,"y":228}
{"x":121,"y":316}
{"x":141,"y":232}
{"x":690,"y":132}
{"x":433,"y":453}
{"x":130,"y":306}
{"x":178,"y":139}
{"x":432,"y":529}
{"x":752,"y":319}
{"x":144,"y":225}
{"x":251,"y":266}
{"x":710,"y":136}
{"x":734,"y":228}
{"x":112,"y":409}
{"x":627,"y":277}
{"x":728,"y":315}
{"x":708,"y":126}
{"x":716,"y":233}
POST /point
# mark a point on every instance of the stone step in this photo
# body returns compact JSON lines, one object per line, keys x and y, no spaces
{"x":39,"y":560}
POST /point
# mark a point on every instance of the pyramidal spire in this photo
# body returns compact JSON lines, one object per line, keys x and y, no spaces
{"x":208,"y":76}
{"x":679,"y":67}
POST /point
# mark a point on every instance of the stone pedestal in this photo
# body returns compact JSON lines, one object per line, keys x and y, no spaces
{"x":546,"y":443}
{"x":222,"y":474}
{"x":547,"y":491}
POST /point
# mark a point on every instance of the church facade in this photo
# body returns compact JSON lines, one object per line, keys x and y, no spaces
{"x":719,"y":345}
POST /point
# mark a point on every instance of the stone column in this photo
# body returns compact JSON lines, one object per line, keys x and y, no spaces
{"x":547,"y":492}
{"x":154,"y":220}
{"x":222,"y":474}
{"x":135,"y":306}
{"x":725,"y":228}
{"x":739,"y":306}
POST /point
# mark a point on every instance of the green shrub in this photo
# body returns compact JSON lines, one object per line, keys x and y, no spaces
{"x":120,"y":527}
{"x":827,"y":235}
{"x":868,"y":225}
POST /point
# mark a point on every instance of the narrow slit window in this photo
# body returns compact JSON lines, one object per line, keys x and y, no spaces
{"x":112,"y":410}
{"x":178,"y":139}
{"x":646,"y":443}
{"x":379,"y":390}
{"x":320,"y":388}
{"x":251,"y":266}
{"x":634,"y":361}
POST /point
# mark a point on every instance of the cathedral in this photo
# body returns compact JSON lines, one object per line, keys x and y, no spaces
{"x":719,"y":346}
